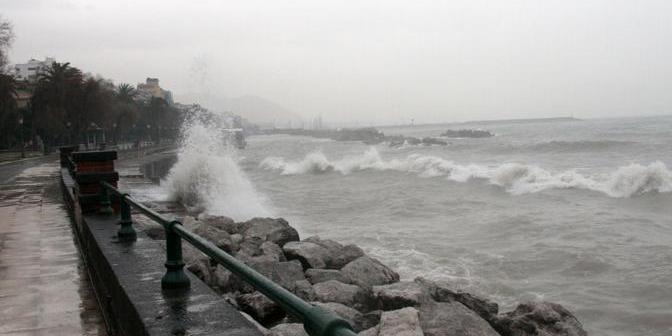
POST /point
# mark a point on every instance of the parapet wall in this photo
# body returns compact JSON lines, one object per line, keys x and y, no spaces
{"x":127,"y":278}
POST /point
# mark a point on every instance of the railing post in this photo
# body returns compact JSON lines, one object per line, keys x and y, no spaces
{"x":105,"y":203}
{"x":175,"y":278}
{"x":126,"y":231}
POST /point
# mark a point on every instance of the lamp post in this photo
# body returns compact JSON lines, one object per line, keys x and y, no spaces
{"x":114,"y":133}
{"x":67,"y":127}
{"x":23,"y":149}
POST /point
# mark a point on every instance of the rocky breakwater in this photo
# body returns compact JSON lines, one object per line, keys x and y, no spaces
{"x":357,"y":287}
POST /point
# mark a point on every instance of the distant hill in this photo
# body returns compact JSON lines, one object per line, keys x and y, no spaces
{"x":260,"y":110}
{"x":255,"y":109}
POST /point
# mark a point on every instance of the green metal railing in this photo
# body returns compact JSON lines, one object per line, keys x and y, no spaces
{"x":316,"y":321}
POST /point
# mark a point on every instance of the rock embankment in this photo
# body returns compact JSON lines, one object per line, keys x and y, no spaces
{"x":355,"y":286}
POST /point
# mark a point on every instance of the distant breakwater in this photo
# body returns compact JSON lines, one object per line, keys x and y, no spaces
{"x":367,"y":135}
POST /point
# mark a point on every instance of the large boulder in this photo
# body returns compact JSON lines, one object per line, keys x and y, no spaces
{"x":284,"y":273}
{"x":220,"y":238}
{"x":260,"y":307}
{"x":402,"y":322}
{"x":349,"y":295}
{"x":276,"y":230}
{"x":452,"y":319}
{"x":367,"y":272}
{"x":272,"y":250}
{"x":351,"y":315}
{"x":221,"y":222}
{"x":304,"y":290}
{"x":197,"y":262}
{"x":316,"y":275}
{"x":339,"y":255}
{"x":445,"y":293}
{"x":399,"y":295}
{"x":310,"y":255}
{"x":347,"y":254}
{"x":539,"y":318}
{"x":289,"y":329}
{"x":373,"y":331}
{"x":356,"y":319}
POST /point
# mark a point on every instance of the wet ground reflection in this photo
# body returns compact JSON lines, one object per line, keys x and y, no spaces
{"x":44,"y":286}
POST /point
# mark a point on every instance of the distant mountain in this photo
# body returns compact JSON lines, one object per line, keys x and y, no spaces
{"x":255,"y":109}
{"x":261,"y":110}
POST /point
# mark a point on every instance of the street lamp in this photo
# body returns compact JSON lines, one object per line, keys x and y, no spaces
{"x":114,"y":133}
{"x":67,"y":126}
{"x":23,"y":149}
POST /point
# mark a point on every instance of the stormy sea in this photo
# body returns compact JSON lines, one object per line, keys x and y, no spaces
{"x":577,"y":212}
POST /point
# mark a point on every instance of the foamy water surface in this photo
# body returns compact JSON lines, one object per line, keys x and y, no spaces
{"x":574,"y":212}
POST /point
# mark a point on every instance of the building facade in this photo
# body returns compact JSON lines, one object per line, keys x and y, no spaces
{"x":151,"y":89}
{"x":31,"y":70}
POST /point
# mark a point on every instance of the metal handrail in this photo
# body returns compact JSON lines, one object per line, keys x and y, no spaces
{"x":316,"y":321}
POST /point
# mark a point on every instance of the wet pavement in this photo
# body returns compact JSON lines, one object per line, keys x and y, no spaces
{"x":44,"y":286}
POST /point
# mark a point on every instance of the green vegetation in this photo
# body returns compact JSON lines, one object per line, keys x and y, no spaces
{"x":64,"y":105}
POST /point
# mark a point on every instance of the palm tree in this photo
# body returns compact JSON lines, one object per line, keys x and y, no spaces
{"x":126,"y":93}
{"x":57,"y":101}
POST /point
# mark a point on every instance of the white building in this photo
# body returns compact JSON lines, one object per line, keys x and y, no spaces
{"x":31,"y":70}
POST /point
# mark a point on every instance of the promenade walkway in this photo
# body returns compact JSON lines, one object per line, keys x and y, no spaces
{"x":44,"y":286}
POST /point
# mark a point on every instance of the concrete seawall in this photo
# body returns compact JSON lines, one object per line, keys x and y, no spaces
{"x":127,"y":275}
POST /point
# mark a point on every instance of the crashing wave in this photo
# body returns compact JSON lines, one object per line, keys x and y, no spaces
{"x":515,"y":178}
{"x":207,"y":177}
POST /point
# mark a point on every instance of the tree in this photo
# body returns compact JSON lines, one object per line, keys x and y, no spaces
{"x":126,"y":109}
{"x":56,"y":102}
{"x":9,"y":117}
{"x":6,"y":39}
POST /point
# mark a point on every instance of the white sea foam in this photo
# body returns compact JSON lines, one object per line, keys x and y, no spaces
{"x":516,"y":178}
{"x":207,"y":175}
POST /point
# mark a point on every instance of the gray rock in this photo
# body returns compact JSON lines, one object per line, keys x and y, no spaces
{"x":443,"y":293}
{"x":260,"y":307}
{"x":250,"y":246}
{"x":351,"y":315}
{"x":276,"y":230}
{"x":220,"y":238}
{"x":399,"y":295}
{"x":272,"y":250}
{"x":289,"y":329}
{"x":539,"y":318}
{"x":221,"y":222}
{"x":373,"y":331}
{"x":367,"y":272}
{"x":304,"y":290}
{"x":237,"y":238}
{"x":201,"y":269}
{"x":347,"y":254}
{"x":316,"y":275}
{"x":349,"y":295}
{"x":452,"y":319}
{"x":222,"y":279}
{"x":371,"y":319}
{"x":197,"y":262}
{"x":309,"y":254}
{"x":284,"y":273}
{"x":402,"y":322}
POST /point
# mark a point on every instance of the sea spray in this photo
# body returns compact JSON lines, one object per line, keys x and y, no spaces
{"x":515,"y":178}
{"x":207,"y":177}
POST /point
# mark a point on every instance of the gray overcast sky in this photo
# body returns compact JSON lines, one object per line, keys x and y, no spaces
{"x":373,"y":61}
